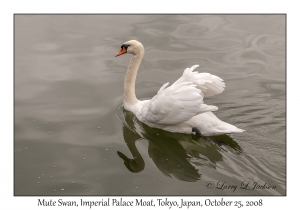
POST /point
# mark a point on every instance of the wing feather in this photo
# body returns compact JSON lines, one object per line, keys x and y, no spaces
{"x":175,"y":104}
{"x":209,"y":84}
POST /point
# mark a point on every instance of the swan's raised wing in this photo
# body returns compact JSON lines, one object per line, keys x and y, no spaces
{"x":175,"y":104}
{"x":209,"y":84}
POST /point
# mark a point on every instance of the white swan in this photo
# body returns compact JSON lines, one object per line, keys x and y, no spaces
{"x":179,"y":107}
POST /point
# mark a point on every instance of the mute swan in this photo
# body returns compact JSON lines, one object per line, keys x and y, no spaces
{"x":179,"y":107}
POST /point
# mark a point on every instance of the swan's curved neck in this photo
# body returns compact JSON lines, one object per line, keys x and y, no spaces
{"x":129,"y":83}
{"x":135,"y":153}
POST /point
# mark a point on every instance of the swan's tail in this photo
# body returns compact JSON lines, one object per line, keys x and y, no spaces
{"x":210,"y":125}
{"x":237,"y":130}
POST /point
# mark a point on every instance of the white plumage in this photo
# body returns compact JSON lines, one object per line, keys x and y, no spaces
{"x":178,"y":107}
{"x":164,"y":108}
{"x":208,"y":84}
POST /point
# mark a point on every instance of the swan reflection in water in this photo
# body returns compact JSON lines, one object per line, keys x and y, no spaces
{"x":176,"y":155}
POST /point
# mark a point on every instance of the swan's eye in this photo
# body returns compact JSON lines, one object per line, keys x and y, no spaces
{"x":125,"y":46}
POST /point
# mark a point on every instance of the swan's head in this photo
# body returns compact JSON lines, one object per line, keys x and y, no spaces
{"x":132,"y":47}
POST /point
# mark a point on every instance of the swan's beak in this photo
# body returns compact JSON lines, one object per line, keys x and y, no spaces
{"x":122,"y":51}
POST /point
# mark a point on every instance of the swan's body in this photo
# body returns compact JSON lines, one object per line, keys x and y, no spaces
{"x":179,"y":107}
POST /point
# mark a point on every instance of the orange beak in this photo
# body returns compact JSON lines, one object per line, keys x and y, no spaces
{"x":122,"y":51}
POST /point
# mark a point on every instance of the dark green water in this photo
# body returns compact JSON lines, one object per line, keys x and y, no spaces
{"x":72,"y":135}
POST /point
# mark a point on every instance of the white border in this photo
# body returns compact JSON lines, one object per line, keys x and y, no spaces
{"x":8,"y":8}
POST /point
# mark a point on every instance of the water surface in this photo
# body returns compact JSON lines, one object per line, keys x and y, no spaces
{"x":73,"y":137}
